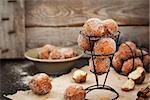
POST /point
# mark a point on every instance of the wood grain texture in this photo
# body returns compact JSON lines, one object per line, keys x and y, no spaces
{"x":11,"y":31}
{"x":76,"y":12}
{"x":20,"y":28}
{"x":1,"y":34}
{"x":63,"y":36}
{"x":4,"y":23}
{"x":12,"y":36}
{"x":37,"y":37}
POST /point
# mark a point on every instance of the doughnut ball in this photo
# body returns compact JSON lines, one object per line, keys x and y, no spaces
{"x":79,"y":76}
{"x":84,"y":43}
{"x":137,"y":75}
{"x":146,"y":59}
{"x":128,"y":65}
{"x":111,"y":26}
{"x":139,"y":53}
{"x":117,"y":62}
{"x":45,"y":50}
{"x":55,"y":54}
{"x":128,"y":85}
{"x":68,"y":52}
{"x":40,"y":84}
{"x":125,"y":52}
{"x":93,"y":27}
{"x":50,"y":47}
{"x":75,"y":93}
{"x":101,"y":65}
{"x":105,"y":46}
{"x":43,"y":54}
{"x":146,"y":62}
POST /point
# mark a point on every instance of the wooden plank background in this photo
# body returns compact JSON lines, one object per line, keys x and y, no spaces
{"x":34,"y":23}
{"x":59,"y":21}
{"x":67,"y":36}
{"x":76,"y":12}
{"x":12,"y":25}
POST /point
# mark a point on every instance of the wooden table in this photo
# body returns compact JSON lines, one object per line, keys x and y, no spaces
{"x":12,"y":72}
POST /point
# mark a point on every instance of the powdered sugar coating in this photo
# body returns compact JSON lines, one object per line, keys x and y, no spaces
{"x":111,"y":26}
{"x":101,"y":64}
{"x":105,"y":46}
{"x":128,"y":65}
{"x":93,"y":27}
{"x":67,"y":52}
{"x":55,"y":54}
{"x":83,"y":42}
{"x":45,"y":50}
{"x":117,"y":62}
{"x":125,"y":51}
{"x":75,"y":93}
{"x":40,"y":84}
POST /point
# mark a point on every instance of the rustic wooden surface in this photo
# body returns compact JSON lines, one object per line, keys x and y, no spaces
{"x":76,"y":12}
{"x":64,"y":36}
{"x":20,"y":28}
{"x":4,"y":21}
{"x":12,"y":26}
{"x":60,"y":84}
{"x":1,"y":34}
{"x":27,"y":24}
{"x":14,"y":71}
{"x":59,"y":22}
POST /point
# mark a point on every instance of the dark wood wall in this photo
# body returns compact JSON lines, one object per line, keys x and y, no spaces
{"x":59,"y":21}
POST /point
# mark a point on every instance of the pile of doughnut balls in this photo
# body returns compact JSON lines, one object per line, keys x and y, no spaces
{"x":103,"y":46}
{"x":132,"y":62}
{"x":52,"y":52}
{"x":127,"y":52}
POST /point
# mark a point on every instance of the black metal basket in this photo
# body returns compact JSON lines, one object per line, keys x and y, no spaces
{"x":93,"y":56}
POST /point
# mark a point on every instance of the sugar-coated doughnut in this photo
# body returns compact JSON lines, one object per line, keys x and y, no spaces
{"x":137,"y":75}
{"x":79,"y":76}
{"x":128,"y":65}
{"x":128,"y":85}
{"x":75,"y":93}
{"x":67,"y":52}
{"x":45,"y":50}
{"x":55,"y":54}
{"x":111,"y":27}
{"x":93,"y":27}
{"x":146,"y":62}
{"x":84,"y":43}
{"x":40,"y":84}
{"x":105,"y":46}
{"x":101,"y":64}
{"x":117,"y":62}
{"x":139,"y":52}
{"x":125,"y":51}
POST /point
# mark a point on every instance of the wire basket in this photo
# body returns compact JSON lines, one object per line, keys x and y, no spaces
{"x":93,"y":56}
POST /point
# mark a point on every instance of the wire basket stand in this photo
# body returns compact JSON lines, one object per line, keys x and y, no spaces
{"x":93,"y":56}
